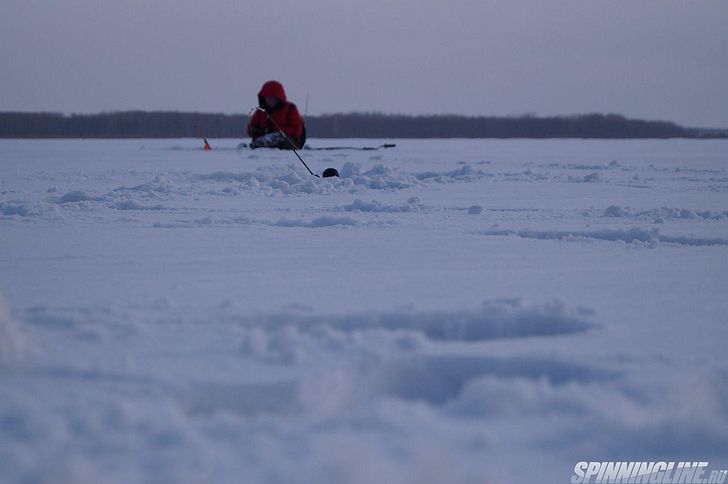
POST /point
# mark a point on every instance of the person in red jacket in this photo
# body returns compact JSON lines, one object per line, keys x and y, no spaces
{"x":263,"y":132}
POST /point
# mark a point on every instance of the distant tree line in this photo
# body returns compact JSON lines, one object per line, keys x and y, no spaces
{"x":170,"y":124}
{"x":126,"y":124}
{"x":374,"y":125}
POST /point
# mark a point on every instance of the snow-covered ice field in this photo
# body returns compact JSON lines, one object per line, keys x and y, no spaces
{"x":448,"y":311}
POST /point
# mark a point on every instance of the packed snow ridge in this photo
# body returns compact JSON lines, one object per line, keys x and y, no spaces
{"x":413,"y":205}
{"x":325,"y":221}
{"x":292,"y":180}
{"x":646,"y":237}
{"x":491,"y":320}
{"x":659,"y":215}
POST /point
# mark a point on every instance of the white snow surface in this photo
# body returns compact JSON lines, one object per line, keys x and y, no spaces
{"x":448,"y":311}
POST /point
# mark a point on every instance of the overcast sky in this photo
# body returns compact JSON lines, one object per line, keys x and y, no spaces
{"x":654,"y":59}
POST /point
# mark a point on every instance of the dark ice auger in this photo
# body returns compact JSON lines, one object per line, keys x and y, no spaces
{"x":328,"y":172}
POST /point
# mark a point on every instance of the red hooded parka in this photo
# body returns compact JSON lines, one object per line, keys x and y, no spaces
{"x":285,"y":114}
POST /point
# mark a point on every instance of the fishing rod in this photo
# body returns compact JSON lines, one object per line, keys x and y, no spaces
{"x":328,"y":172}
{"x":355,"y":148}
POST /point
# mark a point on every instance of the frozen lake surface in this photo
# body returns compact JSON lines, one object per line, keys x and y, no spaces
{"x":447,"y":311}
